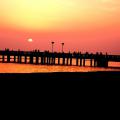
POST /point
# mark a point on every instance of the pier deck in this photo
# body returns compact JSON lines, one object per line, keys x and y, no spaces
{"x":49,"y":58}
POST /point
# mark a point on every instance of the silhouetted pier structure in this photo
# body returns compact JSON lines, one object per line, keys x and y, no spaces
{"x":48,"y":58}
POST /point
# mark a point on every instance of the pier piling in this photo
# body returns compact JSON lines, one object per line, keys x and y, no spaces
{"x":37,"y":57}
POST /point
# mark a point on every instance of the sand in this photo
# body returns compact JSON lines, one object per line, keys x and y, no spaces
{"x":62,"y":76}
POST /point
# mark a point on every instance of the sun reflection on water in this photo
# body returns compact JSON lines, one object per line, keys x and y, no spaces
{"x":23,"y":68}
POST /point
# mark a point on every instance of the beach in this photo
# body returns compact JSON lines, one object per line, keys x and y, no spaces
{"x":60,"y":83}
{"x":62,"y":76}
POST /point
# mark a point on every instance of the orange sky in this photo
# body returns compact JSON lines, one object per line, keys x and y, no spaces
{"x":83,"y":25}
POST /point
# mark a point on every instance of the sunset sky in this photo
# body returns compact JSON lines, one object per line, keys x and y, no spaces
{"x":83,"y":25}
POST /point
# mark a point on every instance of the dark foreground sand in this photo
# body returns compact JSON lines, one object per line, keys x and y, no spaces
{"x":61,"y":82}
{"x":61,"y":76}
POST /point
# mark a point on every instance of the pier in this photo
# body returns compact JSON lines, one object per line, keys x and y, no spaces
{"x":50,"y":58}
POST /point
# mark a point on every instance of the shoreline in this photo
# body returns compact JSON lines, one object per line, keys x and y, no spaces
{"x":62,"y":76}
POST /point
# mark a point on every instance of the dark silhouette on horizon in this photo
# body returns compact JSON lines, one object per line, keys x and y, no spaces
{"x":54,"y":58}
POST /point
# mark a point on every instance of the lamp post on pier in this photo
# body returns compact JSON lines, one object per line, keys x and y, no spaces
{"x":62,"y":46}
{"x":52,"y":45}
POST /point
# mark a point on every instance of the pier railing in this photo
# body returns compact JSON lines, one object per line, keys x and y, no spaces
{"x":48,"y":58}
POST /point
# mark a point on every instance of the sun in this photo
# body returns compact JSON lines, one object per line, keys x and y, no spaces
{"x":30,"y":40}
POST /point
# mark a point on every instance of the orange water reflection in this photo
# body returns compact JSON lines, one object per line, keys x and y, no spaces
{"x":27,"y":68}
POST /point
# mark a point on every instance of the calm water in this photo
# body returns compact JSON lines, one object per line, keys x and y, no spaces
{"x":27,"y":68}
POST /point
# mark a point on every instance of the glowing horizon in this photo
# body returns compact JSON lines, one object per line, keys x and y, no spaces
{"x":82,"y":25}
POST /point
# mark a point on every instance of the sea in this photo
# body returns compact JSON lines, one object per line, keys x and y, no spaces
{"x":32,"y":68}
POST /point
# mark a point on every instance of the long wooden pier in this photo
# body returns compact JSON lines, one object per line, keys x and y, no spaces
{"x":48,"y":58}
